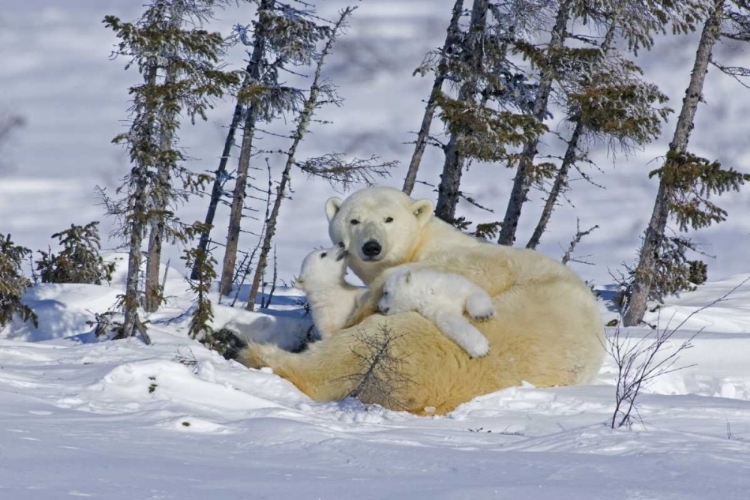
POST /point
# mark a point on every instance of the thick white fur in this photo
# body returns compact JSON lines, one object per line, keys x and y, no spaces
{"x":442,"y":298}
{"x":547,"y":330}
{"x":332,"y":300}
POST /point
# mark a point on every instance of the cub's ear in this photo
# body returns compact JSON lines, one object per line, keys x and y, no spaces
{"x":332,"y":207}
{"x":407,"y":277}
{"x":423,"y":210}
{"x":299,"y":284}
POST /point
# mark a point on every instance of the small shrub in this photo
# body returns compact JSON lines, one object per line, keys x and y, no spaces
{"x":13,"y":283}
{"x":78,"y":261}
{"x":673,"y":272}
{"x":225,"y":342}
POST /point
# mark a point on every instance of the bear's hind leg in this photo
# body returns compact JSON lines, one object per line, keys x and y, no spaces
{"x":311,"y":371}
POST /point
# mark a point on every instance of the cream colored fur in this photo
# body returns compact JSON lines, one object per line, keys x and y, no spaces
{"x":331,"y":299}
{"x":547,"y":330}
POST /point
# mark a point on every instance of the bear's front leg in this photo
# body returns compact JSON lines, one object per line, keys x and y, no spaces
{"x":479,"y":306}
{"x":463,"y":333}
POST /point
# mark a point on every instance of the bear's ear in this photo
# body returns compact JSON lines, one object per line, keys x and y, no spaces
{"x":299,"y":284}
{"x":423,"y":210}
{"x":332,"y":207}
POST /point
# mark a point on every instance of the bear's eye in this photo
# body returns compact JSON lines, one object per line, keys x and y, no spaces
{"x":389,"y":219}
{"x":323,"y":255}
{"x":354,"y":222}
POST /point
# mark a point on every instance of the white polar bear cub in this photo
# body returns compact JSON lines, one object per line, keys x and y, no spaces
{"x":441,"y":298}
{"x":330,"y":297}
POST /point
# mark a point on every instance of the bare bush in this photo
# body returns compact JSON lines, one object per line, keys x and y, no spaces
{"x":641,"y":361}
{"x":381,"y":377}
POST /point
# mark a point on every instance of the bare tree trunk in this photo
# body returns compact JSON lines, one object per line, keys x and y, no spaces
{"x":153,"y":293}
{"x":522,"y":181}
{"x":561,"y":182}
{"x":429,"y":112}
{"x":304,"y":121}
{"x":450,"y":180}
{"x":238,"y":203}
{"x":217,"y":190}
{"x":655,"y":231}
{"x":248,"y":132}
{"x":137,"y":227}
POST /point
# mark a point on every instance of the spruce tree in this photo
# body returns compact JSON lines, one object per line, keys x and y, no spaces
{"x":318,"y":90}
{"x":155,"y":45}
{"x":78,"y":261}
{"x":13,"y":283}
{"x":489,"y":117}
{"x":605,"y":98}
{"x":686,"y":181}
{"x":548,"y":62}
{"x":283,"y":37}
{"x":203,"y":312}
{"x":440,"y":68}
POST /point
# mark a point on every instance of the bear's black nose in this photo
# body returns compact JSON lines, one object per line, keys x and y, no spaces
{"x":371,"y":248}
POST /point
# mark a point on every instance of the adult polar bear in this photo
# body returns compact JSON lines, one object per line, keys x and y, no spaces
{"x":547,"y":330}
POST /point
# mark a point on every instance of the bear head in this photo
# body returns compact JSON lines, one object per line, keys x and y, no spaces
{"x":322,"y":268}
{"x":398,"y":294}
{"x":378,"y":226}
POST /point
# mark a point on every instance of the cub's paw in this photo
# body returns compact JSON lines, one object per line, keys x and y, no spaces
{"x":480,"y":308}
{"x":477,"y":346}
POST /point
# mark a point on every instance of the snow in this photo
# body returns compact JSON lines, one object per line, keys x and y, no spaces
{"x":92,"y":418}
{"x":119,"y":420}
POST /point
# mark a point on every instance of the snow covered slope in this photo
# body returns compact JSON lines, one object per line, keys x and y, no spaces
{"x":121,"y":420}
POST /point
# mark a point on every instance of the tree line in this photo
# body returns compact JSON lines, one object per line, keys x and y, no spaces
{"x":503,"y":72}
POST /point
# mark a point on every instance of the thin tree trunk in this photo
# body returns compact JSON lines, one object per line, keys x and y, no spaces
{"x":160,"y":199}
{"x":522,"y":181}
{"x":137,"y":220}
{"x":561,"y":181}
{"x":137,"y":227}
{"x":304,"y":122}
{"x":571,"y":153}
{"x":153,"y":292}
{"x":657,"y":225}
{"x":216,"y":191}
{"x":449,"y":188}
{"x":238,"y":203}
{"x":429,"y":112}
{"x":248,"y":132}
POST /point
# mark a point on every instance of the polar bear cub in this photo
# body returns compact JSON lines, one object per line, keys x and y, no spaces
{"x":330,"y":297}
{"x":441,"y":298}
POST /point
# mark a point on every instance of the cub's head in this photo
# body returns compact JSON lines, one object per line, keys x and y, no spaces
{"x":399,"y":294}
{"x":378,"y":226}
{"x":322,"y":268}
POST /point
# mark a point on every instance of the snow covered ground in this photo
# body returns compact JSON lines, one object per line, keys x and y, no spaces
{"x":122,"y":420}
